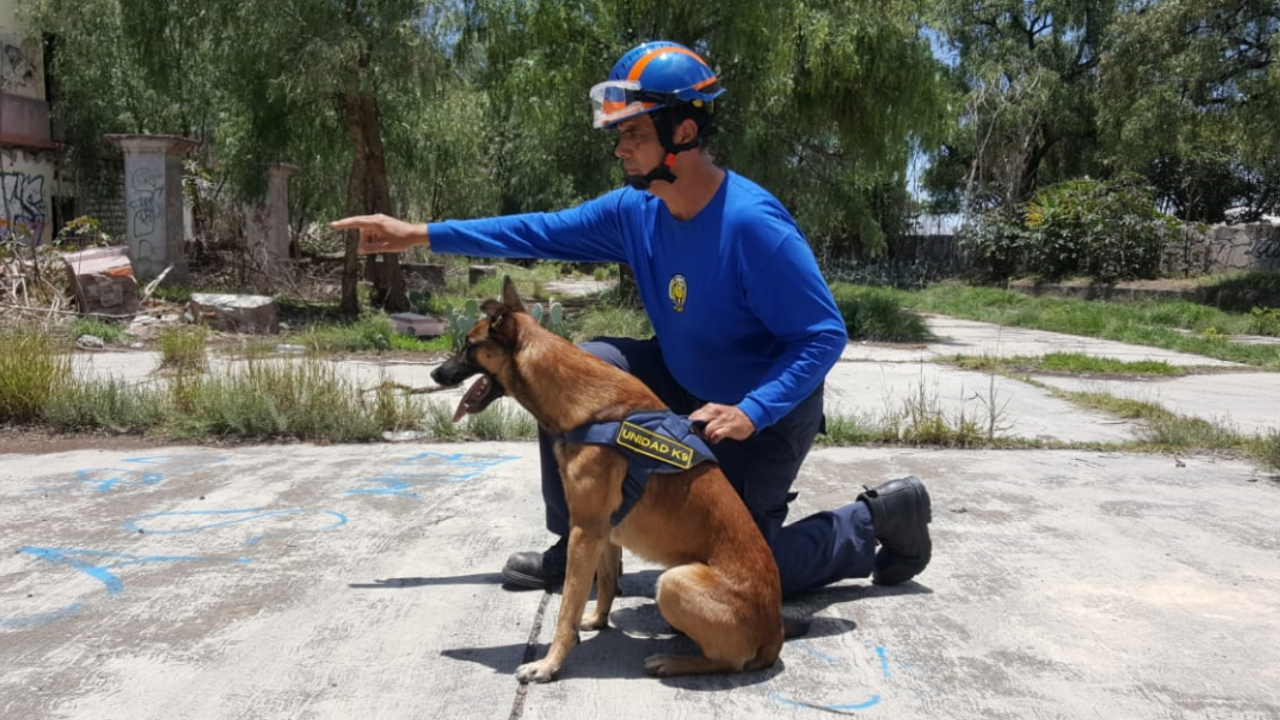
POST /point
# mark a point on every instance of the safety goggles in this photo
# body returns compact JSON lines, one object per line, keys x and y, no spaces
{"x":616,"y":100}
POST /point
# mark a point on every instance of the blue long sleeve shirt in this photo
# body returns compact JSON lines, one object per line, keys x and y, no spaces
{"x":740,"y":309}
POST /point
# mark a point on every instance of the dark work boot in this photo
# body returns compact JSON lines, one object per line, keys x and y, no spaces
{"x":538,"y":570}
{"x":901,"y":514}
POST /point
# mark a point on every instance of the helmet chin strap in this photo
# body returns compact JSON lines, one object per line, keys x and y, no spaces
{"x":666,"y":133}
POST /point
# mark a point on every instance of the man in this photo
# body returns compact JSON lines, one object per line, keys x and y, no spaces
{"x":746,"y":328}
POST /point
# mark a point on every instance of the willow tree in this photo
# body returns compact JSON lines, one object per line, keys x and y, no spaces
{"x":341,"y":88}
{"x":1029,"y":73}
{"x":1190,"y":97}
{"x":825,"y":100}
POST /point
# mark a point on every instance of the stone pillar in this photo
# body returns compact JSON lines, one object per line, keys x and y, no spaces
{"x":267,"y":226}
{"x":153,"y":200}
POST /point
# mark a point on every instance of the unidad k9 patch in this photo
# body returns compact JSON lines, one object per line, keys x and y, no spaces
{"x":651,"y":444}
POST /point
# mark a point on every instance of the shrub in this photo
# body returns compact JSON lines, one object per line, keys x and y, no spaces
{"x":876,"y":314}
{"x":1107,"y":230}
{"x":998,"y":239}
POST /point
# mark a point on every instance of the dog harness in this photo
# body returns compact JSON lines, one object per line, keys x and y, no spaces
{"x":652,"y":441}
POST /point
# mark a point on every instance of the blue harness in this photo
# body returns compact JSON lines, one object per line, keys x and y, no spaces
{"x":652,"y":441}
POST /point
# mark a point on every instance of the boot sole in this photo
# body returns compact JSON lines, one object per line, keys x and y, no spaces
{"x":530,"y":582}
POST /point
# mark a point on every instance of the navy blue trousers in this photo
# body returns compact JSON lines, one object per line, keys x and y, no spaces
{"x":812,"y":552}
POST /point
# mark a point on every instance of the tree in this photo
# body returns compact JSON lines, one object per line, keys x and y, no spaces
{"x":323,"y":83}
{"x":825,"y":100}
{"x":1203,"y":125}
{"x":1028,"y":68}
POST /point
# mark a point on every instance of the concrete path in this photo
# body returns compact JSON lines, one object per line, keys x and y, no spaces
{"x":361,"y":582}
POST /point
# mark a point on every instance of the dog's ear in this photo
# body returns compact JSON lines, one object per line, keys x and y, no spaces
{"x":509,"y":296}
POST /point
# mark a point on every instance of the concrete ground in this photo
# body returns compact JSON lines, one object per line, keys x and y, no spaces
{"x":361,"y":581}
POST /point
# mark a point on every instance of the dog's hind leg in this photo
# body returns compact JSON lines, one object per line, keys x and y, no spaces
{"x":694,"y":600}
{"x":606,"y":586}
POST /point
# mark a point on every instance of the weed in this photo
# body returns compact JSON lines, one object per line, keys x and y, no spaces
{"x":875,"y":314}
{"x":183,"y":348}
{"x":502,"y":421}
{"x":371,"y":333}
{"x":107,"y":404}
{"x":108,"y":332}
{"x":307,"y":400}
{"x":32,"y":370}
{"x":1265,"y":448}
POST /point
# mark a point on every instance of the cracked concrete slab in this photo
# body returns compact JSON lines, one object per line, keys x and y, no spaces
{"x":356,"y":581}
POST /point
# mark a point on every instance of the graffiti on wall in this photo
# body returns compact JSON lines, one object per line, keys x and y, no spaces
{"x":17,"y":68}
{"x":146,"y":196}
{"x":1267,"y":249}
{"x":24,"y":207}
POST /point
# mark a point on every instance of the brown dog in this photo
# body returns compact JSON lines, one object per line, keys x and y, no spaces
{"x":721,"y":588}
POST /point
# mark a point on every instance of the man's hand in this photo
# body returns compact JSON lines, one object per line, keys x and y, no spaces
{"x":382,"y":233}
{"x":723,"y":421}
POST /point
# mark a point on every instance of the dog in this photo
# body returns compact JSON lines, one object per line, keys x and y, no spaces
{"x":721,"y":587}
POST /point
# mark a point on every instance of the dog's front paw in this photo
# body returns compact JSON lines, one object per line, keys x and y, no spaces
{"x":541,"y":671}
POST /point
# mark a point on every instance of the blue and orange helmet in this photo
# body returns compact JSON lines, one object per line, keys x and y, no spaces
{"x":651,"y":77}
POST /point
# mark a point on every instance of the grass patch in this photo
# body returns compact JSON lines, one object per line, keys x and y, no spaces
{"x":921,"y":419}
{"x":373,"y":332}
{"x":1171,"y":324}
{"x":1265,"y":449}
{"x":876,"y":314}
{"x":1071,"y":363}
{"x":609,"y":322}
{"x":504,"y":420}
{"x":107,"y":404}
{"x":108,"y":332}
{"x":307,"y":399}
{"x":182,"y":348}
{"x":1164,"y":430}
{"x":33,"y":368}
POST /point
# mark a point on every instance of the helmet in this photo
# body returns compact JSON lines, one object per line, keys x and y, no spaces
{"x":650,"y":77}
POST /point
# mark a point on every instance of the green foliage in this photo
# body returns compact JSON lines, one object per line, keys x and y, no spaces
{"x":823,"y":99}
{"x":875,"y":314}
{"x":461,"y":319}
{"x":996,"y":239}
{"x":1188,"y":92}
{"x":32,"y":369}
{"x":109,"y":404}
{"x":372,"y":332}
{"x":183,"y":348}
{"x":1158,"y":324}
{"x":552,"y":319}
{"x":307,"y":400}
{"x":91,"y":326}
{"x":1106,"y":230}
{"x":1027,"y":71}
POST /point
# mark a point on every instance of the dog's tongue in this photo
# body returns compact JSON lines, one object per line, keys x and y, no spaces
{"x":478,"y":390}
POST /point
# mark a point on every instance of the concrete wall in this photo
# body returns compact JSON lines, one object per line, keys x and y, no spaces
{"x":28,"y":172}
{"x":1224,"y":248}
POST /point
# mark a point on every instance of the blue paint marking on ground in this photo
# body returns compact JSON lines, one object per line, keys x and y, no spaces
{"x":464,"y":466}
{"x":881,"y":654}
{"x":39,"y":619}
{"x":107,"y":479}
{"x":392,"y":485}
{"x":71,"y":557}
{"x":132,"y":524}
